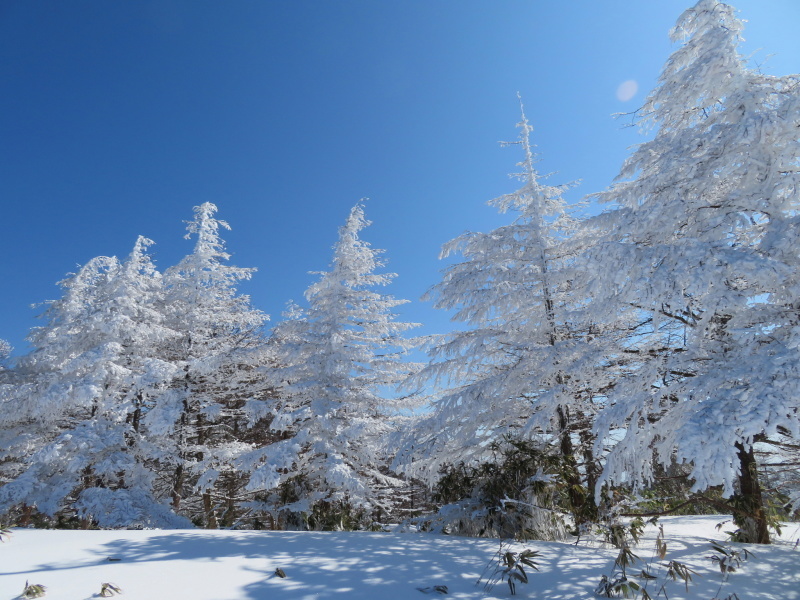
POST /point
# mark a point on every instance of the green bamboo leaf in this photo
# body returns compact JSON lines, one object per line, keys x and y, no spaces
{"x":109,"y":589}
{"x":33,"y":590}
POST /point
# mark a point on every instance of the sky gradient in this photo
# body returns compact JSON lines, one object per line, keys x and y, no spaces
{"x":116,"y":118}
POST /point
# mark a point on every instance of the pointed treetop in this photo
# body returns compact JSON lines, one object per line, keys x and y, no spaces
{"x":700,"y":74}
{"x":354,"y":260}
{"x":534,"y":200}
{"x":138,"y":261}
{"x":706,"y":13}
{"x":141,"y":246}
{"x":525,"y":139}
{"x":356,"y":221}
{"x":206,"y":227}
{"x":207,"y":261}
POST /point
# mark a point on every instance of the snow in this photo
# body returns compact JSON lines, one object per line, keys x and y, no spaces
{"x":227,"y":565}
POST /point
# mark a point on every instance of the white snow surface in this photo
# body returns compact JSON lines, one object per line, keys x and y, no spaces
{"x":240,"y":565}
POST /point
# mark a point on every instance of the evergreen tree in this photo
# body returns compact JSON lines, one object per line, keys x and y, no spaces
{"x":73,"y":416}
{"x":705,"y":240}
{"x":335,"y":361}
{"x":194,"y":422}
{"x":516,"y":371}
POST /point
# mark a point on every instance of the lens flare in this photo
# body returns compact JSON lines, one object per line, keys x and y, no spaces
{"x":627,"y":90}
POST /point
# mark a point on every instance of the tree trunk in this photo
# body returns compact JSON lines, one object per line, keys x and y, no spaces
{"x":752,"y":521}
{"x":27,"y":512}
{"x":208,"y":508}
{"x":230,"y":486}
{"x":180,"y":472}
{"x":177,"y":488}
{"x":592,"y":473}
{"x":137,"y":412}
{"x":575,"y":492}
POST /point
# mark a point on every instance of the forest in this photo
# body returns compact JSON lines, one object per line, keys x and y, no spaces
{"x":636,"y":361}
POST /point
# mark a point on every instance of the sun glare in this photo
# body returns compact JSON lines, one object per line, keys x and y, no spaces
{"x":627,"y":90}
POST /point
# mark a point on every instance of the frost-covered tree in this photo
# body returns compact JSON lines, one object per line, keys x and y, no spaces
{"x":336,"y":362}
{"x":704,"y":237}
{"x":7,"y":464}
{"x":194,"y":421}
{"x":72,"y":417}
{"x":515,"y":371}
{"x":131,"y":398}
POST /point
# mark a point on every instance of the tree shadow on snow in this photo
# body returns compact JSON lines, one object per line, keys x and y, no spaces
{"x":338,"y":565}
{"x":350,"y":565}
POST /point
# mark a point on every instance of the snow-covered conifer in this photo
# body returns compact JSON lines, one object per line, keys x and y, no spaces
{"x":705,"y":239}
{"x":217,"y":329}
{"x":79,"y":394}
{"x":335,"y":361}
{"x":515,"y":371}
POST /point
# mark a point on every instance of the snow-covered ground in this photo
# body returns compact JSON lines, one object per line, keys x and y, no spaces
{"x":240,"y":565}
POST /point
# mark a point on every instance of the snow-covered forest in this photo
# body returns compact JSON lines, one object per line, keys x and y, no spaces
{"x":638,"y":359}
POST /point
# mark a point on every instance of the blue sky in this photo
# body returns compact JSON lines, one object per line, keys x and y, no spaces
{"x":116,"y":118}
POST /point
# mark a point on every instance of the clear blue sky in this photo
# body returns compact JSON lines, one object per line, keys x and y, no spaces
{"x":116,"y":118}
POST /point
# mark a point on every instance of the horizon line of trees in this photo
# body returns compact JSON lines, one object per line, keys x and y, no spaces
{"x":651,"y":349}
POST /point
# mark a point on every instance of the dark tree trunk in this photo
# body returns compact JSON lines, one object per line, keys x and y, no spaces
{"x":230,"y":486}
{"x":752,"y":518}
{"x":180,"y":471}
{"x":592,"y":473}
{"x":575,"y":491}
{"x":208,"y":508}
{"x":137,"y":412}
{"x":27,"y":512}
{"x":177,"y":488}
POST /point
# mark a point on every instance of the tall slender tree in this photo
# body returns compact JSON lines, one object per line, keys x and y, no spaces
{"x":191,"y":421}
{"x":513,"y":371}
{"x":337,"y":360}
